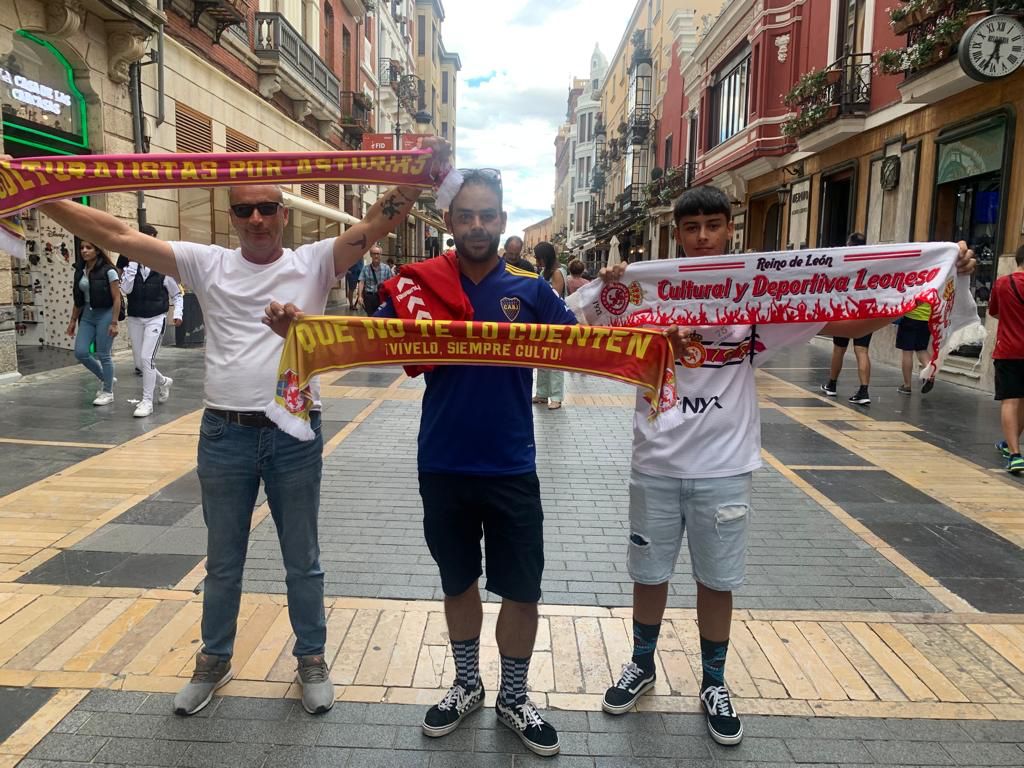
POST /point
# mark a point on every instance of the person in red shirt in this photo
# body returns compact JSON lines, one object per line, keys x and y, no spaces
{"x":1007,"y":305}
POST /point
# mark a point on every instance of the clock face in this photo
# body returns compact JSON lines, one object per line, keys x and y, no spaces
{"x":992,"y":48}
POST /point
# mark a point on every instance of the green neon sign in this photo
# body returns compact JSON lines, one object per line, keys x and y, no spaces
{"x":72,"y":88}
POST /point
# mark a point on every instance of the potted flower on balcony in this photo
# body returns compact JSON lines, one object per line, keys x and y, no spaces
{"x":892,"y":61}
{"x":809,"y":85}
{"x":912,"y":13}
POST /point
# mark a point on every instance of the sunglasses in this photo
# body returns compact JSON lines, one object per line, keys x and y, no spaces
{"x":492,"y":175}
{"x":244,"y":210}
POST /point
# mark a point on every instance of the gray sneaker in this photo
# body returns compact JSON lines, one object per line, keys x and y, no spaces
{"x":317,"y":688}
{"x":211,"y":673}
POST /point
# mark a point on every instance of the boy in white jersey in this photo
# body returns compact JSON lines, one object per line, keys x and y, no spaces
{"x":698,"y":475}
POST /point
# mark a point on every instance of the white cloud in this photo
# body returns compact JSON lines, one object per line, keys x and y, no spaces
{"x":525,"y":55}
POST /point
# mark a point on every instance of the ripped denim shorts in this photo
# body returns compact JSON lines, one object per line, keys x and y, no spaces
{"x":716,"y":513}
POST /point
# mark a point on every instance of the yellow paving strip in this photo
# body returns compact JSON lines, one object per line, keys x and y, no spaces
{"x":55,"y":443}
{"x":31,"y":732}
{"x":992,"y":500}
{"x":828,"y":663}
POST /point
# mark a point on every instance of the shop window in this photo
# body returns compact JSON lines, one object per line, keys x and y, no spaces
{"x":970,"y":190}
{"x":837,"y":207}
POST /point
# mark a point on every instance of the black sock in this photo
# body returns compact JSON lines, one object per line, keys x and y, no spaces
{"x":832,"y":384}
{"x":645,"y":641}
{"x":862,"y":390}
{"x":467,"y":662}
{"x":513,"y":680}
{"x":712,"y":656}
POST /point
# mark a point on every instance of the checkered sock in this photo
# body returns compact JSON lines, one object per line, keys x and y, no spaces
{"x":513,"y":680}
{"x":467,"y":662}
{"x":645,"y":641}
{"x":712,"y":656}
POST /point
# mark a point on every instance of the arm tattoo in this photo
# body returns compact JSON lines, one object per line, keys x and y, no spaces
{"x":360,"y":243}
{"x":390,"y":207}
{"x":412,"y":199}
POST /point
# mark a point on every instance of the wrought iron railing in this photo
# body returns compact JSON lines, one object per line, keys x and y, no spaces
{"x":390,"y":73}
{"x":841,"y":89}
{"x":276,"y":39}
{"x":354,"y":113}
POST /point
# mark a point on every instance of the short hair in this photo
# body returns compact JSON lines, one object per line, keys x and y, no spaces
{"x":576,"y":267}
{"x":482,"y":178}
{"x":1019,"y":258}
{"x":148,"y":229}
{"x":511,"y":238}
{"x":856,"y":238}
{"x":704,"y":200}
{"x":276,"y":187}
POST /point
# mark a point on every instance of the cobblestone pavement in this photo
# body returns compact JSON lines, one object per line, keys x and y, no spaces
{"x":882,"y":622}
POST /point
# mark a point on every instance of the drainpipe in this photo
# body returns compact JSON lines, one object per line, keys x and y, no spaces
{"x":160,"y":68}
{"x":135,"y":94}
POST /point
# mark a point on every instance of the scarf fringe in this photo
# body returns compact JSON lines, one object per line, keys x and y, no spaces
{"x":449,"y":189}
{"x":287,"y":422}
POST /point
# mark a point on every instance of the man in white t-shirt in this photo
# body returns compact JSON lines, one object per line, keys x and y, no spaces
{"x":698,"y":475}
{"x":238,"y":446}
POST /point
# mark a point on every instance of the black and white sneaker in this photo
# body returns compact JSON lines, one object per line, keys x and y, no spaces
{"x":861,"y":398}
{"x":633,"y":684}
{"x":829,"y":389}
{"x":539,"y":736}
{"x":445,"y":716}
{"x":723,"y":722}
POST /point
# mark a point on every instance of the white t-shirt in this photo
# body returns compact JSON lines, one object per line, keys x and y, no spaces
{"x":720,"y":435}
{"x":242,"y":354}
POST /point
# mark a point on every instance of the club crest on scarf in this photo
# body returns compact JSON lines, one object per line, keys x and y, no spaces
{"x":615,"y":297}
{"x":511,"y":305}
{"x":289,"y":391}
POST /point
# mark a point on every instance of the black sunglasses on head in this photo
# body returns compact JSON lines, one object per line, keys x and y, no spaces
{"x":244,"y":210}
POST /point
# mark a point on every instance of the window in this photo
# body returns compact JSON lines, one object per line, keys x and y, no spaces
{"x":421,"y":35}
{"x":444,"y":87}
{"x":590,"y":127}
{"x":668,"y":154}
{"x":329,"y":34}
{"x":850,"y":27}
{"x":346,"y":60}
{"x":729,"y":99}
{"x":422,"y":87}
{"x":444,"y":129}
{"x":581,"y":129}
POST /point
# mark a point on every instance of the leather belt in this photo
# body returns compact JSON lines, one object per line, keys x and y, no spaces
{"x":244,"y":418}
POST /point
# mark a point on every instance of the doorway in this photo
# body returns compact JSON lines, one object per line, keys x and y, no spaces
{"x":837,"y":197}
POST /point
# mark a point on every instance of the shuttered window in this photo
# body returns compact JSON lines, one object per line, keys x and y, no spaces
{"x":239,"y":142}
{"x":310,"y":191}
{"x":193,"y":130}
{"x":332,"y":195}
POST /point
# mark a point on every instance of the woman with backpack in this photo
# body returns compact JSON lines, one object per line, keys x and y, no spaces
{"x":97,"y":294}
{"x":550,"y":384}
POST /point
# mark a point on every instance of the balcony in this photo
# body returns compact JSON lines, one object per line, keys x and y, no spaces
{"x":928,"y":61}
{"x":830,"y":103}
{"x":662,"y":191}
{"x":390,"y":73}
{"x":223,"y":14}
{"x":288,"y":65}
{"x":639,"y":123}
{"x":355,"y":112}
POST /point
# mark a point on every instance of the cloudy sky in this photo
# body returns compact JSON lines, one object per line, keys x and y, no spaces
{"x":518,"y":61}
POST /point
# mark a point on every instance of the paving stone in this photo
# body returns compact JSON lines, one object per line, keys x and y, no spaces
{"x":358,"y":735}
{"x":113,"y":701}
{"x":220,"y":755}
{"x":894,"y":752}
{"x":373,"y":758}
{"x":753,"y":749}
{"x":122,"y":725}
{"x":470,"y":760}
{"x":668,"y":745}
{"x":987,"y":754}
{"x":412,"y":738}
{"x":17,"y":705}
{"x":235,"y":708}
{"x":68,"y":746}
{"x":828,"y":751}
{"x":141,"y":751}
{"x":73,"y":721}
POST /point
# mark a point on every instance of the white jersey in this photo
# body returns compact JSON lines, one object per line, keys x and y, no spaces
{"x":242,"y":354}
{"x":720,"y":434}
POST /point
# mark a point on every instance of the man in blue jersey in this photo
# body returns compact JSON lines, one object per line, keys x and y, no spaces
{"x":477,"y":473}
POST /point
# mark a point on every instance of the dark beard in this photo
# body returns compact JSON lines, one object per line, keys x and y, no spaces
{"x":463,"y":251}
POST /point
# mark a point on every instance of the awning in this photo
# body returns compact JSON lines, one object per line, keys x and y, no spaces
{"x":317,"y":209}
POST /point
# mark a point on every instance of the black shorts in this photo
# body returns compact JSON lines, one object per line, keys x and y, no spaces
{"x":842,"y":341}
{"x":913,"y":335}
{"x":459,"y":510}
{"x":1009,"y":379}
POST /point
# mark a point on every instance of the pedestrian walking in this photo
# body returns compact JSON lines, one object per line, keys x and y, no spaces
{"x":94,"y":319}
{"x":513,"y":254}
{"x":576,"y":277}
{"x":352,"y":283}
{"x":550,"y":384}
{"x":861,"y":348}
{"x":697,"y":477}
{"x":150,"y":295}
{"x":1006,"y":304}
{"x":913,"y":337}
{"x":239,"y":447}
{"x":371,"y":278}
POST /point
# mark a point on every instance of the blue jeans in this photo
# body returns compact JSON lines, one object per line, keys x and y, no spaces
{"x":232,"y":461}
{"x":94,"y":326}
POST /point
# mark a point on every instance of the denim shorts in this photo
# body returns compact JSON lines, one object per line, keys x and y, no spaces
{"x":716,"y":513}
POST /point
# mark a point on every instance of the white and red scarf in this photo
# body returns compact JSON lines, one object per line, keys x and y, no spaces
{"x":816,"y":285}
